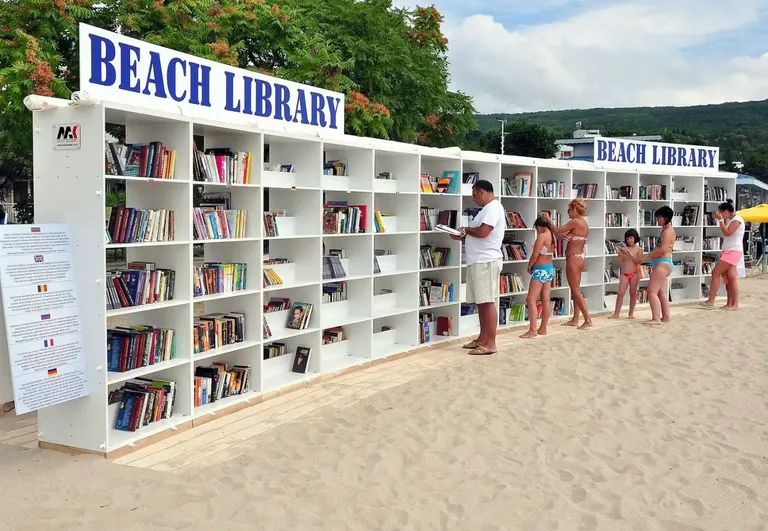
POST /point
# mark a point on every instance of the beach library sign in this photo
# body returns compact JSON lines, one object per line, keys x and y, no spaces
{"x":118,"y":68}
{"x":656,"y":155}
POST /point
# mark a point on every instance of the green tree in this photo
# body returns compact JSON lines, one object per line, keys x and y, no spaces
{"x":523,"y":139}
{"x":396,"y":59}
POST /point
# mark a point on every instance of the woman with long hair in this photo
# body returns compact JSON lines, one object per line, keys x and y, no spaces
{"x":542,"y":272}
{"x":576,"y":233}
{"x":661,"y":263}
{"x":726,"y":269}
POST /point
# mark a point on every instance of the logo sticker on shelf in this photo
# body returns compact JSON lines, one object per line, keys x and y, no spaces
{"x":66,"y":136}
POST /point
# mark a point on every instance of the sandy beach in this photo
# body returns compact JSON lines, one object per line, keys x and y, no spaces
{"x":618,"y":428}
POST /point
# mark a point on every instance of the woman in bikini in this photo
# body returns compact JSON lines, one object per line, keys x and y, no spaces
{"x":630,"y":258}
{"x":576,"y":233}
{"x":542,"y":272}
{"x":732,"y":227}
{"x":661,"y":262}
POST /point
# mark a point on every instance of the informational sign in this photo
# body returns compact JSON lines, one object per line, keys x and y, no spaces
{"x":652,"y":154}
{"x":120,"y":69}
{"x":42,"y":316}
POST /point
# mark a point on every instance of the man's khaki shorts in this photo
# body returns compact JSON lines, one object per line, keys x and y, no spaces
{"x":483,"y":282}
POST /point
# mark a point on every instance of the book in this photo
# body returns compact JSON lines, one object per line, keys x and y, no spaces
{"x":153,"y":160}
{"x":218,"y":224}
{"x":143,"y":401}
{"x":219,"y":381}
{"x":137,"y":286}
{"x":301,"y":360}
{"x":221,"y":165}
{"x":216,"y":330}
{"x":299,"y":316}
{"x":448,"y":230}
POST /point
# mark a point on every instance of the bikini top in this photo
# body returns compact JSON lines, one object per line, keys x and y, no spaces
{"x":574,"y":238}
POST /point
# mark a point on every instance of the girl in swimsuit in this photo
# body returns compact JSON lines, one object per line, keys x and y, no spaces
{"x":542,"y":272}
{"x":576,"y":233}
{"x":630,"y":258}
{"x":661,"y":262}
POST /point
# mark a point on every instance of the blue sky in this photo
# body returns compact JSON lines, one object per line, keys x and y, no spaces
{"x":528,"y":55}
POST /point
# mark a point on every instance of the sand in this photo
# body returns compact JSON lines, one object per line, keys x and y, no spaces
{"x":617,"y":428}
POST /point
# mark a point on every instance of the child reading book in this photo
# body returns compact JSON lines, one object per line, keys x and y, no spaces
{"x":630,"y":258}
{"x":542,"y":272}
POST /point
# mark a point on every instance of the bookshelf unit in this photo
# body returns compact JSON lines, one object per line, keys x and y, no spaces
{"x":381,"y":316}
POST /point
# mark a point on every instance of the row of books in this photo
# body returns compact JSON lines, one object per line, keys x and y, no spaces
{"x":433,"y":291}
{"x":131,"y":225}
{"x":271,"y":229}
{"x":154,"y":160}
{"x":134,"y":347}
{"x":712,"y":244}
{"x":271,"y":277}
{"x":613,"y":246}
{"x":511,"y":283}
{"x":519,"y":185}
{"x":429,"y":218}
{"x":140,"y":284}
{"x":443,"y":326}
{"x":512,"y":311}
{"x":378,"y":221}
{"x":220,"y":381}
{"x":515,"y":220}
{"x":437,"y":257}
{"x":216,"y":330}
{"x":341,"y":218}
{"x":211,"y":278}
{"x":642,"y":296}
{"x":334,"y":292}
{"x":552,"y":189}
{"x":468,"y":308}
{"x":715,"y":193}
{"x":513,"y":251}
{"x":447,"y":184}
{"x":218,"y":224}
{"x":334,"y":335}
{"x":333,"y":266}
{"x":143,"y":401}
{"x":621,"y":192}
{"x":221,"y":165}
{"x":653,"y":192}
{"x":586,"y":190}
{"x":618,"y":220}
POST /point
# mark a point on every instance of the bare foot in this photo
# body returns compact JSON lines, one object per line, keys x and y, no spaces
{"x":530,"y":334}
{"x":653,"y":322}
{"x":586,"y":326}
{"x":630,"y":316}
{"x":665,"y":319}
{"x":571,"y":323}
{"x":614,"y":316}
{"x":542,"y":331}
{"x":731,"y":308}
{"x":707,"y":304}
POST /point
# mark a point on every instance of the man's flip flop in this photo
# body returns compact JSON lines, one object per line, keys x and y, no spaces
{"x":471,"y":345}
{"x":481,"y":351}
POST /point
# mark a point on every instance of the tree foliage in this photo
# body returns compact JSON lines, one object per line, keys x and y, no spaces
{"x":523,"y":139}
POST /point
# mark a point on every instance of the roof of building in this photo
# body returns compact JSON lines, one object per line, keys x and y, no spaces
{"x":747,"y":180}
{"x":591,"y":139}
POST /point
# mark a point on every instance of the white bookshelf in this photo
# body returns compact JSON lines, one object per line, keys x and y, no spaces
{"x":70,"y":187}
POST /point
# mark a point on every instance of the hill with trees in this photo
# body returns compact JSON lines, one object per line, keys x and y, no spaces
{"x":739,"y":129}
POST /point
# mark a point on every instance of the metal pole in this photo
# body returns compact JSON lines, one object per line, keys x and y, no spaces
{"x":502,"y":137}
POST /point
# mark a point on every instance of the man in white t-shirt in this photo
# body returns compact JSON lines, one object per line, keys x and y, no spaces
{"x":482,"y":243}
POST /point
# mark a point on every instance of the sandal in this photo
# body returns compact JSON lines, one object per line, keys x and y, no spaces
{"x":471,"y":345}
{"x":481,"y":351}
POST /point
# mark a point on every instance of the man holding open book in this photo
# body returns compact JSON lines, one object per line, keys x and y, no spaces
{"x":482,"y":243}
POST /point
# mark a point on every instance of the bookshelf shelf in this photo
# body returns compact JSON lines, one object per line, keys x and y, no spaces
{"x":292,"y":179}
{"x":118,"y":377}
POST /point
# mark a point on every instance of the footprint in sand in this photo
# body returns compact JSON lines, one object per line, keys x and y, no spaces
{"x":578,"y":495}
{"x":565,"y":476}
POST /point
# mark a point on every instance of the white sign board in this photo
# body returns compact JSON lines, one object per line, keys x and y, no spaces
{"x":42,"y":316}
{"x":656,"y":155}
{"x":120,"y":69}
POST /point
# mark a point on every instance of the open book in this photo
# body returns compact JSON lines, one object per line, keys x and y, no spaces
{"x":448,"y":230}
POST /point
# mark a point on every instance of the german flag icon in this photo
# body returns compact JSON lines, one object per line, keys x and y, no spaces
{"x":52,"y":372}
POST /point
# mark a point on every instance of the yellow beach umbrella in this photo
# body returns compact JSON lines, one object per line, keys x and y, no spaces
{"x":757,"y":214}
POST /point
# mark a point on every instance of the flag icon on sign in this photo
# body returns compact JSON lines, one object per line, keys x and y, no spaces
{"x":42,"y":288}
{"x":35,"y":229}
{"x":38,"y":258}
{"x":48,"y":342}
{"x":45,"y":316}
{"x":52,"y":372}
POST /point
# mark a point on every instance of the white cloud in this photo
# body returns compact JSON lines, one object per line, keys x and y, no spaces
{"x":625,"y":54}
